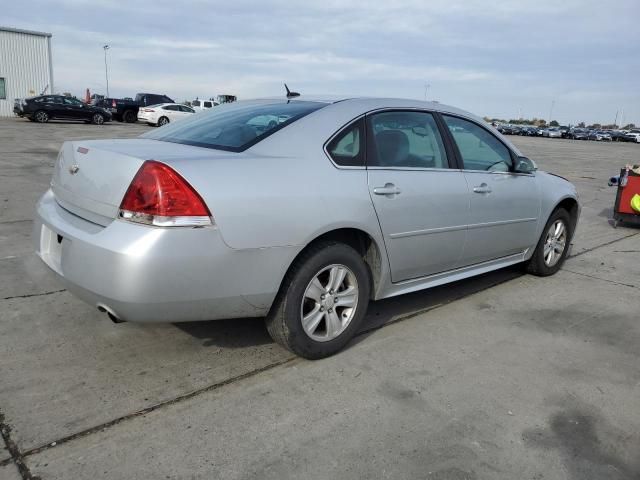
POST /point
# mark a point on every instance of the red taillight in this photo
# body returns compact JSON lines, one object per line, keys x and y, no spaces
{"x":158,"y":195}
{"x":113,"y":104}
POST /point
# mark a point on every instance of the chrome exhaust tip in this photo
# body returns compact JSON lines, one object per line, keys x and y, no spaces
{"x":112,"y":315}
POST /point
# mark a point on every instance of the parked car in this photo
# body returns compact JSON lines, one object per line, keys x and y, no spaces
{"x":554,"y":132}
{"x":126,"y":109}
{"x":541,"y":131}
{"x":59,"y":107}
{"x":164,"y":113}
{"x":529,"y":131}
{"x":578,"y":134}
{"x":564,"y":131}
{"x":200,"y":105}
{"x":617,"y":135}
{"x":304,"y":222}
{"x":599,"y":135}
{"x":633,"y":136}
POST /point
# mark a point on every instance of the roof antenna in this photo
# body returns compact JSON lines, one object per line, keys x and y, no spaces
{"x":291,"y":94}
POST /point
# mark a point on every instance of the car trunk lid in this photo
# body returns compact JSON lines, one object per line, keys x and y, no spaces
{"x":91,"y":177}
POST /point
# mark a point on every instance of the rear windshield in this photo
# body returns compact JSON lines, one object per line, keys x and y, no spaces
{"x":234,"y":127}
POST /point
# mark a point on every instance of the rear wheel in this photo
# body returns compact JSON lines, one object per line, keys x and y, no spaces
{"x":41,"y":116}
{"x":129,"y":116}
{"x":162,"y":121}
{"x":322,"y":301}
{"x":553,"y":245}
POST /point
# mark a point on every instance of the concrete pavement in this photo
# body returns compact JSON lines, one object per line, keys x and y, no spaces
{"x":426,"y":394}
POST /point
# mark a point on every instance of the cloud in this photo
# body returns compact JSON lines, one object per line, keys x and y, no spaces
{"x":491,"y":58}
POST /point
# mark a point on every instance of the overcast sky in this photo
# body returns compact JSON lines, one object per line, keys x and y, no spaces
{"x":492,"y":57}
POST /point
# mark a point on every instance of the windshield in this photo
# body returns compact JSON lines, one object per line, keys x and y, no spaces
{"x":236,"y":127}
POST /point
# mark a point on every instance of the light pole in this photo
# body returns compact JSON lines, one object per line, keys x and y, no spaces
{"x":551,"y":111}
{"x":426,"y":90}
{"x":106,"y":71}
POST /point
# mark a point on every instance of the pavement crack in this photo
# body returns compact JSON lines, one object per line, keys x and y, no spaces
{"x":16,"y":221}
{"x":29,"y":295}
{"x":603,"y":245}
{"x":601,"y":279}
{"x":147,"y":410}
{"x":16,"y":456}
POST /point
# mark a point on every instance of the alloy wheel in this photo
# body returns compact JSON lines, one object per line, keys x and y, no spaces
{"x":555,"y":243}
{"x":329,"y":303}
{"x":98,"y":119}
{"x":42,"y":117}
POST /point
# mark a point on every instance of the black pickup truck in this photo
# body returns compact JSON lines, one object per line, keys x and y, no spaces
{"x":126,"y":109}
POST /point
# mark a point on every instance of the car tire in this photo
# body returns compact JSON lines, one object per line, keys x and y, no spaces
{"x":322,"y":277}
{"x":162,"y":121}
{"x":41,"y":116}
{"x":547,"y":259}
{"x":97,"y":119}
{"x":129,"y":116}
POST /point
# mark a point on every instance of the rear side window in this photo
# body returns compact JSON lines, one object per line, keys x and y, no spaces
{"x":234,"y":127}
{"x":207,"y":105}
{"x":196,"y":103}
{"x":406,"y":140}
{"x":347,"y":148}
{"x":479,"y":149}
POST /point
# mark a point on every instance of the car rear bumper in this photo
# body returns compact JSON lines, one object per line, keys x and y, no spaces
{"x":148,"y":274}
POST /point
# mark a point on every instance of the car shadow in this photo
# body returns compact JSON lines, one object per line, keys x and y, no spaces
{"x":248,"y":332}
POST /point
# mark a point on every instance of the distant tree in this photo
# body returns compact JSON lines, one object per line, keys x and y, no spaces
{"x":581,"y":125}
{"x":595,"y":125}
{"x":554,"y":123}
{"x":542,"y":122}
{"x":628,"y":126}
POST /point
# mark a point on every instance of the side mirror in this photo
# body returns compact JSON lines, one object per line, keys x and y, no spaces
{"x":525,"y":165}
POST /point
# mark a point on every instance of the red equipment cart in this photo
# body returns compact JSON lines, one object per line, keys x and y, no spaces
{"x":628,"y":187}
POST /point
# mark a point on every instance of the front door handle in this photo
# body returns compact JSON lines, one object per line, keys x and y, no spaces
{"x":389,"y":190}
{"x":482,"y":188}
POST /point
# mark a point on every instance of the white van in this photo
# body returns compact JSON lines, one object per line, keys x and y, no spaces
{"x":199,"y":105}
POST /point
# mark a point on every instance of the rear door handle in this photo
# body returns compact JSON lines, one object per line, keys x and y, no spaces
{"x":482,"y":188}
{"x":389,"y":189}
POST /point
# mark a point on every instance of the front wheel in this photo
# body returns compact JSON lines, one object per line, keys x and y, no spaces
{"x":322,"y":301}
{"x":553,"y":246}
{"x":97,"y":119}
{"x":41,"y":116}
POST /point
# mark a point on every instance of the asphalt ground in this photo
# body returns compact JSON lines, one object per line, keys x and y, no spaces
{"x":500,"y":376}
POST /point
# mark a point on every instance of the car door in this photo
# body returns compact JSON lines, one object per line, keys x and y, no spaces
{"x":74,"y":109}
{"x":54,"y":105}
{"x":505,"y":205}
{"x":421,"y":202}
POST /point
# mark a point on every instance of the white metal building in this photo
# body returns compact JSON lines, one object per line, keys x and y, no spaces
{"x":26,"y":67}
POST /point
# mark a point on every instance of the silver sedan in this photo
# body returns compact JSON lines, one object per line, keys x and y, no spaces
{"x":298,"y":210}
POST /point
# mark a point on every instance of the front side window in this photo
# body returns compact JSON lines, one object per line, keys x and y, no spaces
{"x":207,"y":105}
{"x":347,"y":148}
{"x":196,"y":103}
{"x":235,"y":127}
{"x":186,"y":109}
{"x":406,"y":140}
{"x":3,"y":89}
{"x":479,"y":149}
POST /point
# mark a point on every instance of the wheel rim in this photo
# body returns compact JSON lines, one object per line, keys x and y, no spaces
{"x":329,"y":303}
{"x":42,"y":117}
{"x":555,"y":243}
{"x":163,"y":121}
{"x":98,"y":120}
